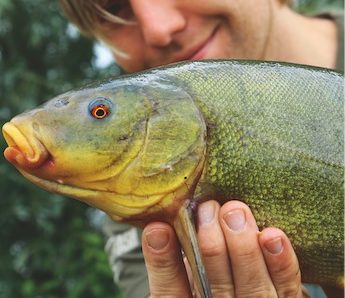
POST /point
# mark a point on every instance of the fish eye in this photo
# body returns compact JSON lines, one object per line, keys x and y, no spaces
{"x":100,"y":111}
{"x":100,"y":108}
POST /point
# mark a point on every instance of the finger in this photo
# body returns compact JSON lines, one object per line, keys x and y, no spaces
{"x":213,"y":249}
{"x":250,"y":275}
{"x":281,"y":262}
{"x":162,"y":253}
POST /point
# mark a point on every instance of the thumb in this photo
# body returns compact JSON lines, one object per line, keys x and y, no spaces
{"x":164,"y":263}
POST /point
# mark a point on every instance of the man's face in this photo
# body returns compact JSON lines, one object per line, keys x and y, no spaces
{"x":168,"y":31}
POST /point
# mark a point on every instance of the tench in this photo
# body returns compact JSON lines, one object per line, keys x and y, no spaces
{"x":146,"y":146}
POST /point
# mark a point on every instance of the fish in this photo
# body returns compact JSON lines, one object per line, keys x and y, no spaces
{"x":150,"y":146}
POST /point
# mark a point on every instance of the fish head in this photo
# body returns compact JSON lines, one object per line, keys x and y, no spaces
{"x":124,"y":149}
{"x":77,"y":135}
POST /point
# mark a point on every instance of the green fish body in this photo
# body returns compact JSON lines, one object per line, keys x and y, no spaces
{"x":141,"y":147}
{"x":275,"y":139}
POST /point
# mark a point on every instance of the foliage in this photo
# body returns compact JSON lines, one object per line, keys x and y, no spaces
{"x":49,"y":247}
{"x":310,"y":6}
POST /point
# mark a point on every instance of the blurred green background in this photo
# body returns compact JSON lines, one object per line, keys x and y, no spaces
{"x":51,"y":246}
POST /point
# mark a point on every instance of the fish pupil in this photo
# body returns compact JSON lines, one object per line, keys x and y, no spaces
{"x":100,"y":112}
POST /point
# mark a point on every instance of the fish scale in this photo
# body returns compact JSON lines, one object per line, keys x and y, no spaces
{"x":269,"y":134}
{"x":266,"y":148}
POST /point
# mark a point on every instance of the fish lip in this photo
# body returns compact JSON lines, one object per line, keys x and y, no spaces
{"x":22,"y":151}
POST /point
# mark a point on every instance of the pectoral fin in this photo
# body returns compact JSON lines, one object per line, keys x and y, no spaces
{"x":184,"y":227}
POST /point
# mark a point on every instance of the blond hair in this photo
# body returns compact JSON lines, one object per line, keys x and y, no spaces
{"x":88,"y":16}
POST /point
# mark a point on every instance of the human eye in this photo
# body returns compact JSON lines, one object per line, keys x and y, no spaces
{"x":119,"y":8}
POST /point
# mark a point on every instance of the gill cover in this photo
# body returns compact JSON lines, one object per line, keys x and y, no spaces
{"x":174,"y":144}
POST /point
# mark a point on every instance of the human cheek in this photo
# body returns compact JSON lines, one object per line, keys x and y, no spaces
{"x":132,"y":48}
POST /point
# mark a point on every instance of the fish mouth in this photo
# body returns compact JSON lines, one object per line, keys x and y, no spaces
{"x":24,"y":150}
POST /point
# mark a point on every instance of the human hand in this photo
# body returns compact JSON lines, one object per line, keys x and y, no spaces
{"x":240,"y":261}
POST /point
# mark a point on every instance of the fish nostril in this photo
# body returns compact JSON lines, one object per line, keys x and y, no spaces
{"x":61,"y":102}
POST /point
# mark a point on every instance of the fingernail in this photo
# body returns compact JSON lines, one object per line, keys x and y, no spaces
{"x":235,"y":219}
{"x":206,"y":213}
{"x":274,"y":246}
{"x":157,"y":239}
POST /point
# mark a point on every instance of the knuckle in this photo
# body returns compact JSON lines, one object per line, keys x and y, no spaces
{"x":257,"y":292}
{"x":291,"y":291}
{"x":222,"y":291}
{"x":212,"y":249}
{"x":162,"y":263}
{"x":248,"y":254}
{"x":163,"y":293}
{"x":287,"y":280}
{"x":287,"y":269}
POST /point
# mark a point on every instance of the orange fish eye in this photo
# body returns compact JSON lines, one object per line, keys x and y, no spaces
{"x":100,"y":108}
{"x":100,"y":111}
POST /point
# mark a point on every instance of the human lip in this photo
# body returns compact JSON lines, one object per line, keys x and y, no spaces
{"x":200,"y":51}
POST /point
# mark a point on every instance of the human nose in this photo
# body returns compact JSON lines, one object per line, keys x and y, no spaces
{"x":159,"y":20}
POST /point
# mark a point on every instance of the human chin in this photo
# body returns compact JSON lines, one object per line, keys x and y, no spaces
{"x":130,"y":64}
